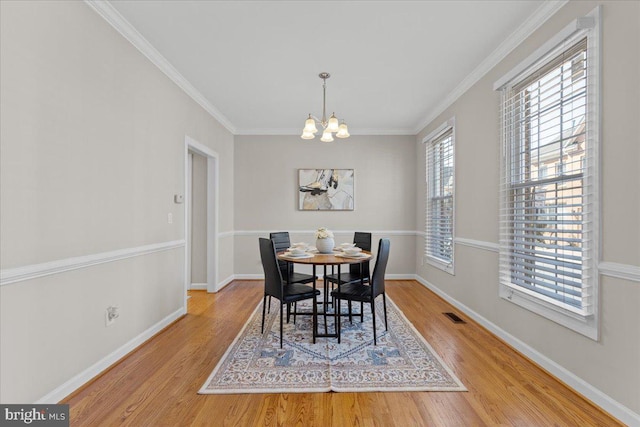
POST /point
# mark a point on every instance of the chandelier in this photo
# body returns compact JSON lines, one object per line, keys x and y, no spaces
{"x":330,"y":126}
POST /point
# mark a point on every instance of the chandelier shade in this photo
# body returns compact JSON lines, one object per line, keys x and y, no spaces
{"x":326,"y":136}
{"x":343,"y":132}
{"x":310,"y":126}
{"x":330,"y":126}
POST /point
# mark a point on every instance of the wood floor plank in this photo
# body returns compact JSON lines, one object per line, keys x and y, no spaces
{"x":157,"y":384}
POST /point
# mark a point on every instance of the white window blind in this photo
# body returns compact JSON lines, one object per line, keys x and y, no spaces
{"x":440,"y":201}
{"x":548,"y":214}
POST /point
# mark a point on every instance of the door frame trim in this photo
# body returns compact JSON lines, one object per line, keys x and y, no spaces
{"x":191,"y":145}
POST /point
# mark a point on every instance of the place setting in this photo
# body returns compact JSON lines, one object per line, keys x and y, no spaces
{"x":300,"y":251}
{"x":349,"y":250}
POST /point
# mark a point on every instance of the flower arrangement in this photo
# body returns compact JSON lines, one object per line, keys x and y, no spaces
{"x":323,"y":233}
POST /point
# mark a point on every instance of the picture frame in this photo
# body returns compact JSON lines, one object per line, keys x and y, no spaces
{"x":326,"y":189}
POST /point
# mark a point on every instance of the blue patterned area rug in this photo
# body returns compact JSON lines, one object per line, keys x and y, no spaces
{"x":401,"y":361}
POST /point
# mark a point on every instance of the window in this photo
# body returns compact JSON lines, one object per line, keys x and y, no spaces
{"x":548,"y":216}
{"x":440,"y":178}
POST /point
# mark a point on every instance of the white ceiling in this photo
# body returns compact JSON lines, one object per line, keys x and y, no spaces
{"x":393,"y":64}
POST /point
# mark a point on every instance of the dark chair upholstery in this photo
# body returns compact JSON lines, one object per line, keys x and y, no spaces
{"x":282,"y":242}
{"x":275,"y":287}
{"x":357,"y":291}
{"x":357,"y":272}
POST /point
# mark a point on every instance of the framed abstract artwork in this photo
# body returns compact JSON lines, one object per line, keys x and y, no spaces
{"x":325,"y":189}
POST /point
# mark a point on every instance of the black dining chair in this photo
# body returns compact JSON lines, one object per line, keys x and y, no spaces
{"x":357,"y":291}
{"x":275,"y":286}
{"x":282,"y":241}
{"x":357,"y":272}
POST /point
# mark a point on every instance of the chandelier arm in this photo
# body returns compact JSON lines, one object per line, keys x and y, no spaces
{"x":318,"y":121}
{"x":324,"y":122}
{"x":324,"y":102}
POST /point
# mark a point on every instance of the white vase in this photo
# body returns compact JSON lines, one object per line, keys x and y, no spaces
{"x":325,"y":246}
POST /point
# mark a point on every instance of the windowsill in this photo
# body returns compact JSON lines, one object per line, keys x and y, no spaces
{"x":435,"y":262}
{"x":584,"y":325}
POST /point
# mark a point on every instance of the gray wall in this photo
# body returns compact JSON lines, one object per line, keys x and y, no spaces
{"x":266,"y":193}
{"x":199,"y":220}
{"x":611,"y":364}
{"x":93,"y":150}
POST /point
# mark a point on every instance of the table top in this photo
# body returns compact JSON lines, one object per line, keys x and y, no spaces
{"x":334,"y":258}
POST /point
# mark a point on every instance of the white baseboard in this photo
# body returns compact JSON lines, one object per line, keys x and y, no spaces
{"x":400,"y":276}
{"x":225,"y":282}
{"x":248,"y":276}
{"x":596,"y":396}
{"x":91,"y":372}
{"x":198,"y":286}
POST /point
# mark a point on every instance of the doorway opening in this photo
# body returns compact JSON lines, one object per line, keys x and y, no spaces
{"x":201,"y":217}
{"x":197,"y":218}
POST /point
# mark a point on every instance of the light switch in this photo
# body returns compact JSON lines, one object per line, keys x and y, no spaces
{"x":178,"y":198}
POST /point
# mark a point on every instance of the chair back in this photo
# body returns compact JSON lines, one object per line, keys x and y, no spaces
{"x":272,"y":274}
{"x":377,"y":280}
{"x":281,"y":242}
{"x":362,"y":240}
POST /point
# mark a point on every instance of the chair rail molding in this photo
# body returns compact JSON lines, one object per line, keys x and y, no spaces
{"x":620,"y":271}
{"x":339,"y":232}
{"x":33,"y":271}
{"x":478,"y":244}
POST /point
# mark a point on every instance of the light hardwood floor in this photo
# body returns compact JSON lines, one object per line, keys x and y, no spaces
{"x":157,"y":384}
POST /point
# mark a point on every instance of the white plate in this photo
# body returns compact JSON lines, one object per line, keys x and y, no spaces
{"x":290,"y":255}
{"x":345,"y":246}
{"x":358,"y":255}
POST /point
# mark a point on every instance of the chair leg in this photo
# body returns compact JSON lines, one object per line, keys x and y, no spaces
{"x":350,"y":318}
{"x":337,"y":310}
{"x":361,"y":312}
{"x":264,"y":301}
{"x":373,"y":314}
{"x":281,"y":325}
{"x":384,"y":303}
{"x":295,"y":310}
{"x":269,"y":310}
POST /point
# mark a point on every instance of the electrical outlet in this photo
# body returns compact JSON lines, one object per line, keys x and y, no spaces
{"x":110,"y":315}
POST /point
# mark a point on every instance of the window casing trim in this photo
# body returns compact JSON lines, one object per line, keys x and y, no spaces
{"x":449,"y":125}
{"x":585,"y":323}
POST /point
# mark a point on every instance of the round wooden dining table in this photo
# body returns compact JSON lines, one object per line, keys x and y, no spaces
{"x":335,"y":258}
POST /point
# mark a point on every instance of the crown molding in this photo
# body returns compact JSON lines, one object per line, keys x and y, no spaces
{"x":540,"y":16}
{"x":121,"y":25}
{"x":296,"y":131}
